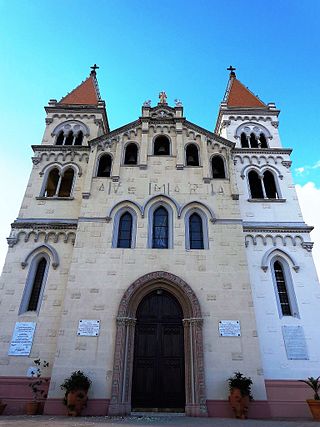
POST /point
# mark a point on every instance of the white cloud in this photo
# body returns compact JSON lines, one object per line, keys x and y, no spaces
{"x":309,"y":199}
{"x":300,"y":171}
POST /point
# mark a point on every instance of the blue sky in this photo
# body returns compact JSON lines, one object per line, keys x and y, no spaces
{"x":143,"y":47}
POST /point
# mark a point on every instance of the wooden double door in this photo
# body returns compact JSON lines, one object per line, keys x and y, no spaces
{"x":158,"y":380}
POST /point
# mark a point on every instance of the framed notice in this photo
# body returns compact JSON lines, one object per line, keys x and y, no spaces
{"x":88,"y":328}
{"x":229,"y":328}
{"x":295,"y":342}
{"x":22,"y":339}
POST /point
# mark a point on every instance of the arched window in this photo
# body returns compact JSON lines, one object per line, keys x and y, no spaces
{"x":286,"y":299}
{"x":125,"y":231}
{"x":60,"y":138}
{"x":69,"y":138}
{"x":160,"y":229}
{"x":255,"y":185}
{"x":270,"y":185}
{"x":253,"y":141}
{"x":66,"y":183}
{"x":104,"y":168}
{"x":192,"y":155}
{"x":79,"y":138}
{"x":35,"y":285}
{"x":161,"y":146}
{"x":195,"y":232}
{"x":218,"y":167}
{"x":244,"y":140}
{"x":52,"y":183}
{"x":263,"y":141}
{"x":131,"y":155}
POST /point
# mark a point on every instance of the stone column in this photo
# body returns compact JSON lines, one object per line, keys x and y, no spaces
{"x":233,"y":182}
{"x":90,"y":169}
{"x":144,"y":145}
{"x":120,"y":402}
{"x":194,"y":368}
{"x":205,"y":160}
{"x":179,"y":146}
{"x":117,"y":161}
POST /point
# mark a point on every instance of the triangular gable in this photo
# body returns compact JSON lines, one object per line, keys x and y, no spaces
{"x":85,"y":94}
{"x":240,"y":96}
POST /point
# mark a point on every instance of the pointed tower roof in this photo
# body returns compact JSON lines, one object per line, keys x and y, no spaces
{"x":239,"y":96}
{"x":87,"y":93}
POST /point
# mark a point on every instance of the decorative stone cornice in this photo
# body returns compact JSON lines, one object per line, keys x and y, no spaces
{"x":275,"y":150}
{"x":33,"y":225}
{"x":276,"y":228}
{"x":62,"y":148}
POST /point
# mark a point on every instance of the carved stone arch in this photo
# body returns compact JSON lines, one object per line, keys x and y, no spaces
{"x":74,"y":125}
{"x":254,"y":127}
{"x":125,"y":203}
{"x":47,"y":249}
{"x":196,"y":204}
{"x":161,"y":198}
{"x":271,"y":253}
{"x":120,"y":403}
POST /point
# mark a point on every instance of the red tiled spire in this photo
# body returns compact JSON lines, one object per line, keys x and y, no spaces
{"x":237,"y":95}
{"x":87,"y":93}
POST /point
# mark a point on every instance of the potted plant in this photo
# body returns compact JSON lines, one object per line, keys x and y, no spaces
{"x":314,"y":404}
{"x":36,"y":384}
{"x":240,"y":394}
{"x":76,"y":392}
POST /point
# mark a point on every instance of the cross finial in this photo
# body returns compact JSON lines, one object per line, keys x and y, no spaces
{"x":94,"y":68}
{"x":232,"y":71}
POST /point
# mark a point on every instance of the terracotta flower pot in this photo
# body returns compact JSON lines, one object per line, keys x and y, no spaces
{"x":314,"y":406}
{"x":2,"y":407}
{"x":76,"y":401}
{"x":32,"y":407}
{"x":239,"y":403}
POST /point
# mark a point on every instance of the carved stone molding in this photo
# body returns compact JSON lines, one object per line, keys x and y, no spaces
{"x":286,"y":163}
{"x":307,"y":245}
{"x":120,"y":403}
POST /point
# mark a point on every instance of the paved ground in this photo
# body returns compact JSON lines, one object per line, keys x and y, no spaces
{"x":155,"y":421}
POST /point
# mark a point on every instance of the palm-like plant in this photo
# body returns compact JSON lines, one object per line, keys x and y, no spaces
{"x":314,"y":383}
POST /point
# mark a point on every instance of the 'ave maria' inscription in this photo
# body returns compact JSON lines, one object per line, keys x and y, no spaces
{"x":151,"y":188}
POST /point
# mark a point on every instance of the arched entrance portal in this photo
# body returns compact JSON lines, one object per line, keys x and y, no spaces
{"x":158,"y":362}
{"x":121,"y":391}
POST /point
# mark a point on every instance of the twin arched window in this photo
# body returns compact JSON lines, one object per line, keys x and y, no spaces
{"x":262,"y":186}
{"x":59,"y":183}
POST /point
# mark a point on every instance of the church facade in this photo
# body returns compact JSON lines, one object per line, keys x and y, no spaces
{"x":159,"y":258}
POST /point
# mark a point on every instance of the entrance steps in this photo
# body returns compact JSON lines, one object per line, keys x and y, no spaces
{"x":157,"y":413}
